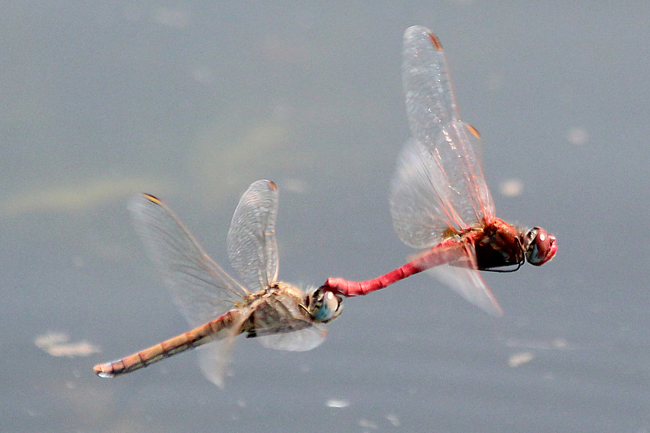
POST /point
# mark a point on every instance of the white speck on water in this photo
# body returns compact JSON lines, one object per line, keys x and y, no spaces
{"x":56,"y":344}
{"x":577,"y":136}
{"x":511,"y":187}
{"x":393,"y":419}
{"x":337,"y":403}
{"x":520,"y":358}
{"x":367,"y":424}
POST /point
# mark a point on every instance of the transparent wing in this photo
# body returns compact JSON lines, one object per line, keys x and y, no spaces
{"x":252,"y":248}
{"x":200,"y":288}
{"x":214,"y":358}
{"x":292,"y":335}
{"x":461,"y":194}
{"x":420,"y":213}
{"x":296,"y":341}
{"x":463,"y":277}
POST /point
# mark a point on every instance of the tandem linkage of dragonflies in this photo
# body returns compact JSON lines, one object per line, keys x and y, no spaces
{"x":439,"y":203}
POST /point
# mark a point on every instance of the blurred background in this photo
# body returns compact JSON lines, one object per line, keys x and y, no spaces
{"x":193,"y":101}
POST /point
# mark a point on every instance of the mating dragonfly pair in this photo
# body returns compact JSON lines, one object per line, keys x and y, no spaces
{"x":439,"y":201}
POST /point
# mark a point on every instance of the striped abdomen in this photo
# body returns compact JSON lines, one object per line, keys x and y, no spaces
{"x":203,"y":334}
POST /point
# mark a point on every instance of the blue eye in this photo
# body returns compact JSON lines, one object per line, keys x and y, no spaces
{"x":325,"y":306}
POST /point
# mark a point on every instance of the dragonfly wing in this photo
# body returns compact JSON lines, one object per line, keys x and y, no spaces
{"x":462,"y":276}
{"x":419,"y":204}
{"x":201,"y":289}
{"x":252,"y":247}
{"x":215,"y":357}
{"x":453,"y":167}
{"x":308,"y":337}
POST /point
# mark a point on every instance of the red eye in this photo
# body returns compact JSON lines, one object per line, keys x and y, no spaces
{"x":541,"y":246}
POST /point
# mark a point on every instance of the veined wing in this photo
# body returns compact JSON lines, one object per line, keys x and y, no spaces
{"x":461,"y":194}
{"x":301,"y":340}
{"x":201,"y":289}
{"x":284,"y":326}
{"x":464,"y":278}
{"x":420,"y":216}
{"x":214,"y":358}
{"x":252,"y":247}
{"x":454,"y":263}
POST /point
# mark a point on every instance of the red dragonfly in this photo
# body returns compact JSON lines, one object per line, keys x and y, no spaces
{"x":438,"y":197}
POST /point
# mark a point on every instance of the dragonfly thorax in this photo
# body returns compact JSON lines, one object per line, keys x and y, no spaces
{"x":499,"y":244}
{"x":280,"y":308}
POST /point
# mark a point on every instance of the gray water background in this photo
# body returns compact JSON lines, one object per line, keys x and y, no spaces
{"x":194,"y":101}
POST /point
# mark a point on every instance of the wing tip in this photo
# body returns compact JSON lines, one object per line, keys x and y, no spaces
{"x":473,"y":130}
{"x":435,"y":41}
{"x":416,"y":32}
{"x":153,"y":199}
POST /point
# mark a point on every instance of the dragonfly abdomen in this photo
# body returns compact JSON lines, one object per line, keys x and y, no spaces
{"x":198,"y":336}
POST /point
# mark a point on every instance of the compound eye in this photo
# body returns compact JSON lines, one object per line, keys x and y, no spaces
{"x":540,"y":246}
{"x":326,"y":306}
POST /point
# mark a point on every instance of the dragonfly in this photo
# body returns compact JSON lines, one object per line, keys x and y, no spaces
{"x":279,"y":315}
{"x":439,"y":200}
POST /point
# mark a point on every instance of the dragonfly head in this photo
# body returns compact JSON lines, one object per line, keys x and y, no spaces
{"x":324,"y":305}
{"x":540,"y":247}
